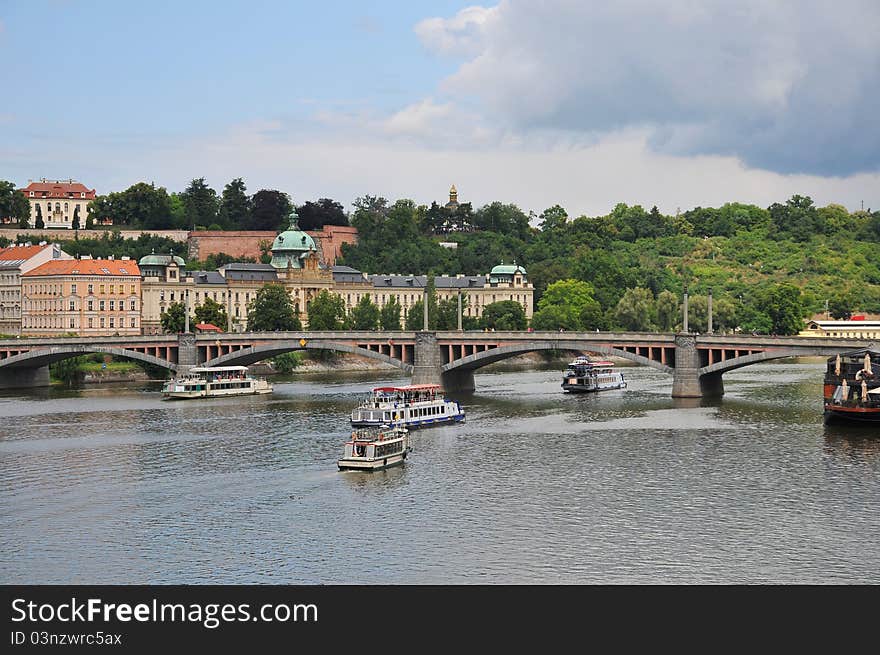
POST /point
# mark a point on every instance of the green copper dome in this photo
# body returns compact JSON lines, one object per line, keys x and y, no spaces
{"x":160,"y":260}
{"x":507,"y":269}
{"x":290,"y":246}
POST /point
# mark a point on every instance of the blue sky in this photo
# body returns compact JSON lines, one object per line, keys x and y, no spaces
{"x":585,"y":104}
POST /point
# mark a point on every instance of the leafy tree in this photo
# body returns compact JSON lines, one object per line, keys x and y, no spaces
{"x":447,"y":313}
{"x":797,"y":219}
{"x":315,"y":215}
{"x":271,"y":310}
{"x":326,"y":311}
{"x":269,"y":210}
{"x":636,"y":311}
{"x":555,"y":317}
{"x":14,"y":204}
{"x":174,"y":318}
{"x":553,"y":218}
{"x":504,"y":315}
{"x":287,"y":362}
{"x":142,"y":205}
{"x":389,"y":315}
{"x":200,"y":204}
{"x":235,"y":206}
{"x":365,"y":315}
{"x":668,"y":311}
{"x":783,"y":303}
{"x":415,"y":319}
{"x":562,"y":305}
{"x":210,"y":311}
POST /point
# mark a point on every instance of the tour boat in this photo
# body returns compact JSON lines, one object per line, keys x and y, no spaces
{"x":584,"y":375}
{"x":852,"y":387}
{"x":414,"y":406}
{"x":214,"y":382}
{"x":371,"y":449}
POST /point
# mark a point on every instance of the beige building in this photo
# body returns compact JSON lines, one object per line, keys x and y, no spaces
{"x":58,"y":202}
{"x":82,"y":297}
{"x":14,"y":261}
{"x":842,"y":329}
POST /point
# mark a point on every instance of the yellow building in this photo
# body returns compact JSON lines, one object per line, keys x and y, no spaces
{"x":82,"y":297}
{"x":842,"y":329}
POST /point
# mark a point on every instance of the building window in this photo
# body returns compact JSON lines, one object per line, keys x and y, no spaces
{"x":132,"y":322}
{"x":172,"y":274}
{"x":133,"y":290}
{"x":72,"y":322}
{"x":101,"y":289}
{"x":101,"y":307}
{"x":73,"y":289}
{"x":91,"y":306}
{"x":162,"y":295}
{"x":112,"y":306}
{"x":133,"y":307}
{"x":91,"y":289}
{"x":172,"y":296}
{"x":72,"y":306}
{"x":112,"y":288}
{"x":102,"y":321}
{"x":111,"y":322}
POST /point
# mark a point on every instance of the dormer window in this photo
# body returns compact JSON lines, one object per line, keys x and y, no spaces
{"x":32,"y":194}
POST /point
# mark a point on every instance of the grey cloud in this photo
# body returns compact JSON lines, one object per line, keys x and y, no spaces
{"x":788,"y":86}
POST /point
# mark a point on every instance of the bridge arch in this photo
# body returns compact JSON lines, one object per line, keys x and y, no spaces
{"x":766,"y":356}
{"x":253,"y":354}
{"x":486,"y":357}
{"x":43,"y":356}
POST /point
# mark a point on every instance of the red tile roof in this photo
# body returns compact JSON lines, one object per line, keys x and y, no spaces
{"x":58,"y":189}
{"x":21,"y":252}
{"x":87,"y":267}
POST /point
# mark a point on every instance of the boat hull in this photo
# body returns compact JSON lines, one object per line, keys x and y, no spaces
{"x":852,"y":415}
{"x":410,"y":423}
{"x":585,"y":388}
{"x":371,"y":463}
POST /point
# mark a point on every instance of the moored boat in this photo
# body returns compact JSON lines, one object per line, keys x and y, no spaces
{"x":372,"y":449}
{"x":412,"y":406}
{"x":583,"y":375}
{"x":852,"y":387}
{"x":214,"y":382}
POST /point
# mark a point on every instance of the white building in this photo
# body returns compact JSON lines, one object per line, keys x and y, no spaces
{"x":14,"y":261}
{"x":58,"y":202}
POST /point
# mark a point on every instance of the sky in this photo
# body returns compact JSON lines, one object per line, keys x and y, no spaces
{"x":580,"y":103}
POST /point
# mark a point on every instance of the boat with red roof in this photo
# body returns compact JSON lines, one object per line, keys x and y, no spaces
{"x":584,"y":374}
{"x":411,"y":406}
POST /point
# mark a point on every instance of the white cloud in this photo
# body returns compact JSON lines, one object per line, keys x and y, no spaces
{"x":788,"y":86}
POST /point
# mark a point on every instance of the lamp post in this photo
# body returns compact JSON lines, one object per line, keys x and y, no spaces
{"x":684,"y":324}
{"x":710,"y":312}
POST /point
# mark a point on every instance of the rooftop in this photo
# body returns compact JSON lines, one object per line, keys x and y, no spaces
{"x":86,"y":267}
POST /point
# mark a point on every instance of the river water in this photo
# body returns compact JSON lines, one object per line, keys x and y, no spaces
{"x":113,"y":485}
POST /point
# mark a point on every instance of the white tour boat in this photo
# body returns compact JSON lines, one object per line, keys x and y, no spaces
{"x":371,"y":449}
{"x":583,"y":375}
{"x":215,"y":382}
{"x":413,"y":406}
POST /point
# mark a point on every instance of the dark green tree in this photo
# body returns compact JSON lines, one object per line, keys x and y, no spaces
{"x":75,"y":223}
{"x":174,"y":318}
{"x":326,"y":311}
{"x":389,"y":315}
{"x":365,"y":315}
{"x":211,"y":311}
{"x":200,"y":204}
{"x":784,"y":304}
{"x":315,"y":215}
{"x":269,"y":210}
{"x":271,"y":310}
{"x":142,"y":205}
{"x":14,"y":204}
{"x":235,"y":206}
{"x":636,"y":311}
{"x":504,"y":315}
{"x":38,"y":221}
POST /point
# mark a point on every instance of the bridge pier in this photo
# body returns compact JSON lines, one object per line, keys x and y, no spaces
{"x":187,"y":352}
{"x":24,"y":377}
{"x":427,"y":359}
{"x":459,"y":381}
{"x":686,"y":379}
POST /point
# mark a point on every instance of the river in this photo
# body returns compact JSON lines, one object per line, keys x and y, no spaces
{"x":114,"y":485}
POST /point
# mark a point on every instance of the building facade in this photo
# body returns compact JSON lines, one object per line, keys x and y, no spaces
{"x":14,"y":261}
{"x":58,"y":202}
{"x":82,"y":297}
{"x":859,"y":329}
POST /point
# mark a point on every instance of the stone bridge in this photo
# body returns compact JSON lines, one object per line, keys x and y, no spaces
{"x":695,"y":362}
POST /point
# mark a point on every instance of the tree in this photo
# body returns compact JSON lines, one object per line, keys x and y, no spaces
{"x":364,"y":315}
{"x":504,"y":315}
{"x":389,"y":315}
{"x":447,"y":313}
{"x":142,"y":205}
{"x":315,"y":215}
{"x":38,"y":221}
{"x":14,"y":204}
{"x":269,"y":210}
{"x":553,"y":218}
{"x":200,"y":204}
{"x":235,"y":206}
{"x":636,"y":311}
{"x":174,"y":318}
{"x":326,"y":311}
{"x":783,"y":303}
{"x":212,"y":312}
{"x":271,"y":310}
{"x":668,"y":311}
{"x":797,"y":219}
{"x":75,"y":223}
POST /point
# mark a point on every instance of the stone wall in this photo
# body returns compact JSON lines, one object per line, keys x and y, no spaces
{"x":237,"y":244}
{"x":35,"y":236}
